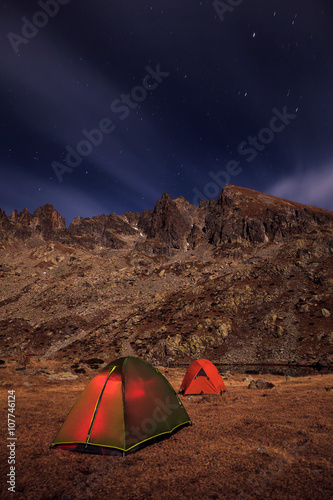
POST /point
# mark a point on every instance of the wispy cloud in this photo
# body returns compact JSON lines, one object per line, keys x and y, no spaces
{"x":314,"y":187}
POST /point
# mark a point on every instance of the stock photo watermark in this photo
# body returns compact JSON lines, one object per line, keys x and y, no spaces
{"x":249,"y":148}
{"x":222,"y":8}
{"x":149,"y":425}
{"x":93,"y":138}
{"x":31,"y":27}
{"x":11,"y":445}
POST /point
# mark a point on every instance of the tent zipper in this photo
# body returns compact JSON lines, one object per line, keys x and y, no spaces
{"x":97,"y":406}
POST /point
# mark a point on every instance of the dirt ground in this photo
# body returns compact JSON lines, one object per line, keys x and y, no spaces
{"x":246,"y":444}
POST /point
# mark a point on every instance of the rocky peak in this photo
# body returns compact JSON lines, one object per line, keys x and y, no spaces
{"x":243,"y":214}
{"x":4,"y":224}
{"x":167,"y":223}
{"x":3,"y":215}
{"x":14,"y":215}
{"x":76,"y":221}
{"x":47,"y":220}
{"x":23,"y":218}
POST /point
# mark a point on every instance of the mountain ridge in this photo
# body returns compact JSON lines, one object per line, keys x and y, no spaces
{"x":237,"y":214}
{"x":247,"y":278}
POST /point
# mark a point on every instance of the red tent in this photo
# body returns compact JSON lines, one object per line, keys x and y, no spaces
{"x":202,"y":377}
{"x":126,"y":405}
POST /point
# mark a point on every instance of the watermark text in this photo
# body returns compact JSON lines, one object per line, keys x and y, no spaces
{"x":250,"y":148}
{"x":11,"y":445}
{"x":122,"y":107}
{"x":227,"y":6}
{"x":31,"y":27}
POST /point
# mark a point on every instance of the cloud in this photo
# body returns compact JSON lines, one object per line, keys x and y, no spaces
{"x":313,"y":187}
{"x":73,"y":92}
{"x":31,"y":190}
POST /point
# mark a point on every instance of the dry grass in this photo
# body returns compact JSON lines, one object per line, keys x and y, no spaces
{"x":246,"y":444}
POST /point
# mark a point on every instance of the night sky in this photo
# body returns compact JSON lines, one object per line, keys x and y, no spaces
{"x":106,"y":105}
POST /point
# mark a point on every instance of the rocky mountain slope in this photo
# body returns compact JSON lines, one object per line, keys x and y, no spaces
{"x":244,"y":279}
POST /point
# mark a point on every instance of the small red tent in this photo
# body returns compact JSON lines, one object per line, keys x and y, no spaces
{"x":202,"y":377}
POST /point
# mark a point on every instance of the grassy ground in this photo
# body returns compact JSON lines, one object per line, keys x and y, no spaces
{"x":246,"y":444}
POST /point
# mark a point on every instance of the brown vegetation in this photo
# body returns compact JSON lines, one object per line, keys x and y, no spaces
{"x":246,"y":444}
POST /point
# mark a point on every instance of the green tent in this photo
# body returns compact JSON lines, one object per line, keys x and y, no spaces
{"x":126,"y":405}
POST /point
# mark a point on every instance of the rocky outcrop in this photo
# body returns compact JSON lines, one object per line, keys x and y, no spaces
{"x":172,"y":225}
{"x":45,"y":222}
{"x":23,"y":218}
{"x":102,"y":230}
{"x":238,"y":216}
{"x":241,"y":214}
{"x":5,"y":225}
{"x":166,"y":223}
{"x":260,"y":384}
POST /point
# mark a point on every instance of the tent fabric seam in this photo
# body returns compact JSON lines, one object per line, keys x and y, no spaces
{"x":123,"y":398}
{"x":97,"y":406}
{"x":123,"y":449}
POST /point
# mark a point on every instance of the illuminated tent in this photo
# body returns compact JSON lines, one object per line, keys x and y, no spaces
{"x":202,"y":377}
{"x":126,"y":405}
